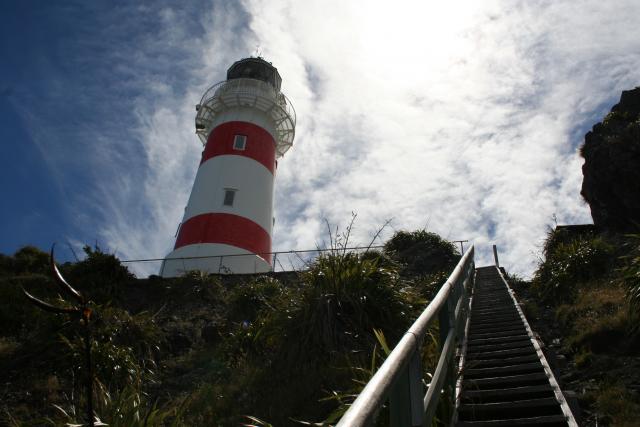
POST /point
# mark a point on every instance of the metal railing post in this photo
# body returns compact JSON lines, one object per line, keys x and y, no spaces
{"x":275,"y":257}
{"x":447,"y":322}
{"x":220,"y":265}
{"x":400,"y":401}
{"x":405,"y":399}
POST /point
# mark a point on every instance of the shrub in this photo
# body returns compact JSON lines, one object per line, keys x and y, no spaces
{"x":30,"y":259}
{"x":568,"y":264}
{"x":99,"y":275}
{"x":419,"y":290}
{"x":124,"y":350}
{"x":348,"y":294}
{"x":28,"y":268}
{"x":18,"y":316}
{"x":343,"y":298}
{"x":516,"y":282}
{"x":311,"y":336}
{"x":615,"y":405}
{"x":246,"y":300}
{"x":422,"y":252}
{"x":631,"y":281}
{"x":596,"y":320}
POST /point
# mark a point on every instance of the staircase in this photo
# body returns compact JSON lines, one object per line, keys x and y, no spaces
{"x":505,"y":380}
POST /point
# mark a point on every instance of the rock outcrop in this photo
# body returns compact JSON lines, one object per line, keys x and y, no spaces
{"x":611,"y":184}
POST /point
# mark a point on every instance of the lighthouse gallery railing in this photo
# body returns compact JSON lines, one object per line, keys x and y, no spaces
{"x":247,"y":92}
{"x":400,"y":378}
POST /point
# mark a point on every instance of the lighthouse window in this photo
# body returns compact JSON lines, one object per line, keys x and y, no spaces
{"x":229,"y":195}
{"x":239,"y":142}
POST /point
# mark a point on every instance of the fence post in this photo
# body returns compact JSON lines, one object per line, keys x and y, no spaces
{"x":415,"y":387}
{"x":446,"y":319}
{"x":405,"y":400}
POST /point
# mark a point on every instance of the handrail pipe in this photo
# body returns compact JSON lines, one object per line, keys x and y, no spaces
{"x":400,"y":378}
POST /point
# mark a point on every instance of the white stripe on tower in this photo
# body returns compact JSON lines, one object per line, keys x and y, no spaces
{"x":254,"y":182}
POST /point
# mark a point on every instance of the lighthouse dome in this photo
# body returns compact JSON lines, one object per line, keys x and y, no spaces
{"x":255,"y":68}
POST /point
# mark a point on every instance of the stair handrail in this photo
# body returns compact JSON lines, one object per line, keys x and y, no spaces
{"x":400,"y":378}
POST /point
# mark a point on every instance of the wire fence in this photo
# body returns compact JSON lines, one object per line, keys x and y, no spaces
{"x":293,"y":260}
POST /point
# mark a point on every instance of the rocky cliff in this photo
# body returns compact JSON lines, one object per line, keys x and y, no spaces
{"x":611,"y":170}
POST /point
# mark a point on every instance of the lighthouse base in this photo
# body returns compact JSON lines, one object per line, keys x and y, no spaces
{"x":212,"y":258}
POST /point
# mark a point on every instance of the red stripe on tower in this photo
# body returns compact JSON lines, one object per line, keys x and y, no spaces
{"x":259,"y":144}
{"x":226,"y":229}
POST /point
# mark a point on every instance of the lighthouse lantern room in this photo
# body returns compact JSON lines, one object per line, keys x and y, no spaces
{"x":245,"y":123}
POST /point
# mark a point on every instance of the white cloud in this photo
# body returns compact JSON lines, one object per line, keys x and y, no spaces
{"x":463,"y":116}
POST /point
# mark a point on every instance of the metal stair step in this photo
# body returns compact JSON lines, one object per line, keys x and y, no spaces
{"x":477,"y":331}
{"x":536,"y":378}
{"x":484,"y":355}
{"x":522,"y":342}
{"x":507,"y":394}
{"x":488,"y":363}
{"x":473,"y":329}
{"x":521,"y":368}
{"x":548,"y":421}
{"x":509,"y":410}
{"x":495,"y":324}
{"x":492,"y":302}
{"x":496,"y":340}
{"x":514,"y":317}
{"x":480,"y":315}
{"x":516,"y":331}
{"x":480,"y":312}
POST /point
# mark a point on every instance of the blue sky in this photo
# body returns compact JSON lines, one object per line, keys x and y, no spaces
{"x":463,"y":117}
{"x":70,"y":83}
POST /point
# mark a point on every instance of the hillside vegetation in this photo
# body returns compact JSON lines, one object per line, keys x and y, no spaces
{"x":584,"y":301}
{"x":206,"y":350}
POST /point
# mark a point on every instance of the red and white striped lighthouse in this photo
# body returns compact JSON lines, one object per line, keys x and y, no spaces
{"x":245,"y":124}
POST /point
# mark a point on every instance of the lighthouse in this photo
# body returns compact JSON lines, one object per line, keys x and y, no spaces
{"x":245,"y":124}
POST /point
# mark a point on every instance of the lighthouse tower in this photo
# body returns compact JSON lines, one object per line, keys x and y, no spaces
{"x":245,"y":124}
